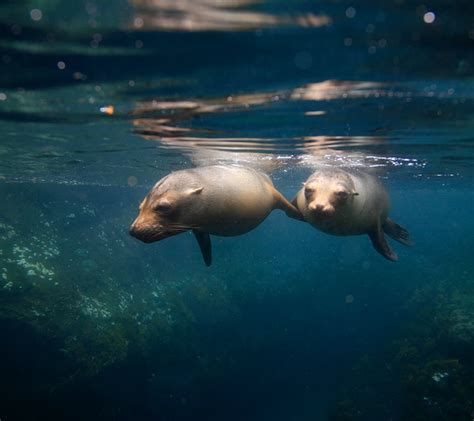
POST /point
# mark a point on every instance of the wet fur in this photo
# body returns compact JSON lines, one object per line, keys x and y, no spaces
{"x":365,"y":211}
{"x":217,"y":200}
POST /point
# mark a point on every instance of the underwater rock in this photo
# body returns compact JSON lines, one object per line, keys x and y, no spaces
{"x":430,"y":362}
{"x":462,"y":319}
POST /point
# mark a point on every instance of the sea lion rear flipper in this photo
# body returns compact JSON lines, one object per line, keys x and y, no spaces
{"x":204,"y":241}
{"x":294,"y":202}
{"x":380,"y":243}
{"x":397,"y":232}
{"x":289,"y":208}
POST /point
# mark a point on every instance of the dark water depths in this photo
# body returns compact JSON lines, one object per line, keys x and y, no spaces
{"x":100,"y":99}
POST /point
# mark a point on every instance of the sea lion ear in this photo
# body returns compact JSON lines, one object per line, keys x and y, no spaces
{"x":355,"y":193}
{"x":195,"y":191}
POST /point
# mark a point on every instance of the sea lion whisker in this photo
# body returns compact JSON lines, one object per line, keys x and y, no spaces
{"x":174,"y":228}
{"x":179,"y":226}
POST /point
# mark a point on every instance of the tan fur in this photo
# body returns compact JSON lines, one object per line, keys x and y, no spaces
{"x":218,"y":200}
{"x":366,"y":202}
{"x":350,"y":203}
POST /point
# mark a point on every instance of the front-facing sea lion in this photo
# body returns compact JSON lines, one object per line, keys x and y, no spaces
{"x":338,"y":202}
{"x":217,"y":200}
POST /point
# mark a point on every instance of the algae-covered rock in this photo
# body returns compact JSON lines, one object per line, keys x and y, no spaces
{"x":429,"y":364}
{"x":87,"y":301}
{"x":65,"y":276}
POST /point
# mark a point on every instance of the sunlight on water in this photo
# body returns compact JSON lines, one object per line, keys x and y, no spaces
{"x":205,"y":15}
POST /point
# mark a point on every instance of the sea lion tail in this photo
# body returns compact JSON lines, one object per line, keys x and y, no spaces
{"x":397,"y":232}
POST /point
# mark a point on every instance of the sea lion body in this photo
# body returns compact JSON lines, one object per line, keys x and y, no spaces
{"x":339,"y":202}
{"x":233,"y":202}
{"x":217,"y":200}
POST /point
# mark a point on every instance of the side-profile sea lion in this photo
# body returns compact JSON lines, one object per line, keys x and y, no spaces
{"x":338,"y":202}
{"x":217,"y":200}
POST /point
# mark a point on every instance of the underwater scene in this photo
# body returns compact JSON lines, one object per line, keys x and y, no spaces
{"x":237,"y":210}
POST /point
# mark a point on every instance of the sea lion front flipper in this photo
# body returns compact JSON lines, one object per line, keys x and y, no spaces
{"x":397,"y":232}
{"x":380,"y":243}
{"x":204,"y":241}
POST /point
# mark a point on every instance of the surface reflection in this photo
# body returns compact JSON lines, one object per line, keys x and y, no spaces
{"x":171,"y":122}
{"x":189,"y":126}
{"x":317,"y":143}
{"x":212,"y":15}
{"x":334,"y":89}
{"x":166,"y":120}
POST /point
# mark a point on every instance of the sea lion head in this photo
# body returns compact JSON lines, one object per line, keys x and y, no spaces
{"x":161,"y":212}
{"x":329,"y":192}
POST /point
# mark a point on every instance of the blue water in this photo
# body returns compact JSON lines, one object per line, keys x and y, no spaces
{"x":100,"y":99}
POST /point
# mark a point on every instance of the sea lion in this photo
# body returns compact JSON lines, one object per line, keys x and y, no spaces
{"x":339,"y":202}
{"x":216,"y":200}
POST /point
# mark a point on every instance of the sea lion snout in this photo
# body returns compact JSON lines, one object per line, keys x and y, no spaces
{"x":321,"y":209}
{"x":146,"y":232}
{"x":318,"y":207}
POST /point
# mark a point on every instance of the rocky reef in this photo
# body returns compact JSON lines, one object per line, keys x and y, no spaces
{"x":75,"y":299}
{"x":87,"y":311}
{"x":427,"y":371}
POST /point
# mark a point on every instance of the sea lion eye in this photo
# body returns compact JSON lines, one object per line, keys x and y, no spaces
{"x":163,"y":207}
{"x":343,"y":195}
{"x":308,"y":191}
